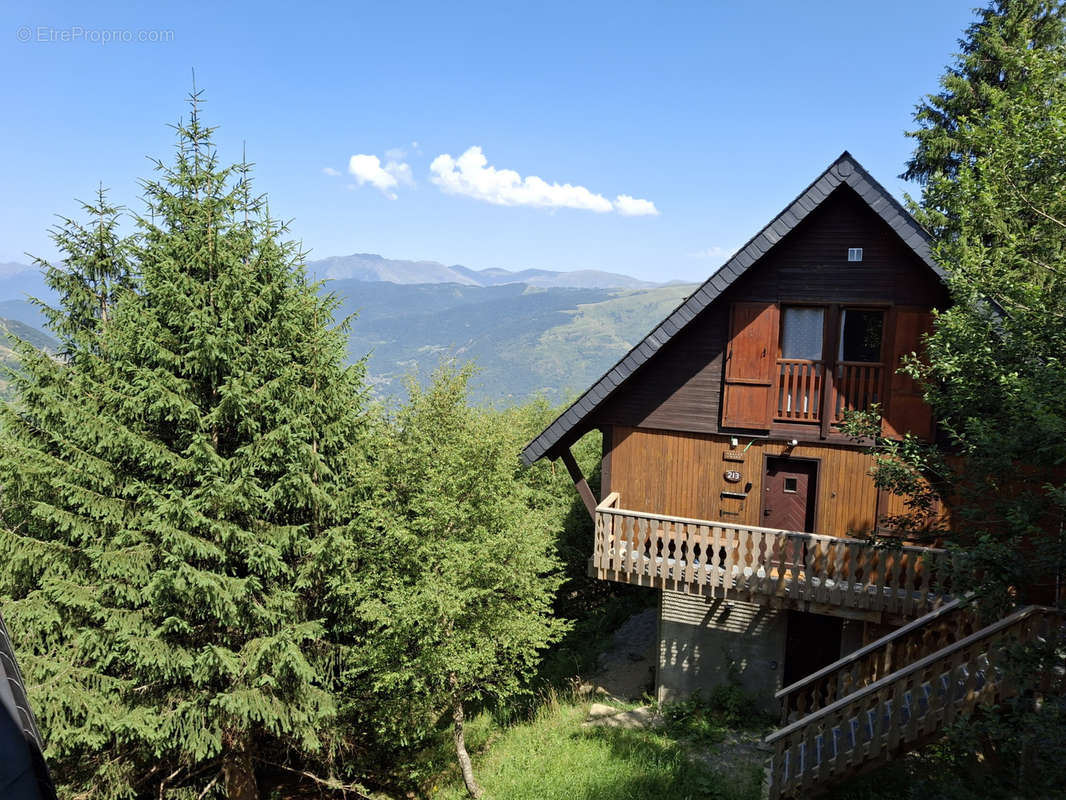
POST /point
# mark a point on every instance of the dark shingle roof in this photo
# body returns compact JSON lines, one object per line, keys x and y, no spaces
{"x":844,"y":171}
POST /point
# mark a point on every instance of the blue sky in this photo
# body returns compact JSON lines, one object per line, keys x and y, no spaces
{"x":715,"y":113}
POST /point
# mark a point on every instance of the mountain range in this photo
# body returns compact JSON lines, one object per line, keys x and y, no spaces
{"x":530,"y":332}
{"x":371,"y":267}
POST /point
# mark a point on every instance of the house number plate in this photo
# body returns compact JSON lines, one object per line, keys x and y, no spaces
{"x":732,"y":476}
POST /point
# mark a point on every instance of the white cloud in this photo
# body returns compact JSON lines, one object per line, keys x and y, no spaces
{"x":471,"y":176}
{"x":368,"y":169}
{"x":400,"y":171}
{"x":333,"y":173}
{"x":635,"y":207}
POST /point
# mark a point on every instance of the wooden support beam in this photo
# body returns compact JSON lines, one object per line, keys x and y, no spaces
{"x":582,"y":485}
{"x":830,"y":332}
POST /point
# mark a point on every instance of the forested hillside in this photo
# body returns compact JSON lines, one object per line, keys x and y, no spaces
{"x":10,"y":331}
{"x":525,"y":340}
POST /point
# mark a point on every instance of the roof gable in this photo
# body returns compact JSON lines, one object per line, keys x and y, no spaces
{"x":844,"y":171}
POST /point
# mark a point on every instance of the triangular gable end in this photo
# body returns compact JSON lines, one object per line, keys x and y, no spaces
{"x":845,"y":170}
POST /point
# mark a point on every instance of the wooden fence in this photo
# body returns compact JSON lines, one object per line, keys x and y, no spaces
{"x":746,"y":562}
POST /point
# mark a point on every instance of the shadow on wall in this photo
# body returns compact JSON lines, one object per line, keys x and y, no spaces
{"x":705,"y":644}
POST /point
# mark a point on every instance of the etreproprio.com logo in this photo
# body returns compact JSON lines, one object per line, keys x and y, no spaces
{"x":49,"y":34}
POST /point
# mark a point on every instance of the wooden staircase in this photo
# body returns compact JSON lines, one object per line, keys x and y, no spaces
{"x":898,"y":692}
{"x":872,"y":705}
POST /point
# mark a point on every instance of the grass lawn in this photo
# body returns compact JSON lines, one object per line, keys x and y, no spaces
{"x":551,"y":757}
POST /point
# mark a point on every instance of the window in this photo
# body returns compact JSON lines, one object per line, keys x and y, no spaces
{"x":791,"y":485}
{"x":854,"y":254}
{"x":861,"y":331}
{"x":801,"y":333}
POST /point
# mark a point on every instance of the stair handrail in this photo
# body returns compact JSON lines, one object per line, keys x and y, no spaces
{"x":840,"y":664}
{"x":610,"y":502}
{"x":893,"y":677}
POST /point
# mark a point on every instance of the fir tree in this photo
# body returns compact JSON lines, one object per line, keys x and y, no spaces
{"x":994,"y":167}
{"x":163,"y":494}
{"x":986,"y":74}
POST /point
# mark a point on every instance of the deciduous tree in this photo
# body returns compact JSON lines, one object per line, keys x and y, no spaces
{"x":459,"y":588}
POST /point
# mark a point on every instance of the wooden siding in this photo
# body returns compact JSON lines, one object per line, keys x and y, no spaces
{"x":682,"y":474}
{"x":811,"y":262}
{"x":681,"y":388}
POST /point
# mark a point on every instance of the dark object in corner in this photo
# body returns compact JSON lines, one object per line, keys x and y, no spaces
{"x":23,"y":773}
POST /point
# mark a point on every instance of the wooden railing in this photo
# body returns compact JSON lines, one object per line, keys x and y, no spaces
{"x":896,"y":712}
{"x":745,"y":562}
{"x":799,"y":390}
{"x":946,"y":625}
{"x":856,"y":386}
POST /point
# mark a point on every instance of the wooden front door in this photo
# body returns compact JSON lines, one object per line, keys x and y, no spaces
{"x":789,"y":492}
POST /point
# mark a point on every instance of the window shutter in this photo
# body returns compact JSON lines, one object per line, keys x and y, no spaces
{"x":905,"y":410}
{"x":751,"y":357}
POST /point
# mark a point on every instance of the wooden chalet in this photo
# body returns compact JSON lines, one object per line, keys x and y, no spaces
{"x":728,"y":487}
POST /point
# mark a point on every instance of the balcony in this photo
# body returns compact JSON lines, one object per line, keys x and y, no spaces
{"x":766,"y":566}
{"x":854,"y":386}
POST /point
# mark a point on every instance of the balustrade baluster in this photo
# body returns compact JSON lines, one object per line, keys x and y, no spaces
{"x":642,"y":545}
{"x":666,"y":562}
{"x":704,"y":556}
{"x":730,"y":542}
{"x":795,"y":550}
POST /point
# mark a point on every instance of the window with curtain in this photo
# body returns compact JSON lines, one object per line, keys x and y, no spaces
{"x":801,"y":332}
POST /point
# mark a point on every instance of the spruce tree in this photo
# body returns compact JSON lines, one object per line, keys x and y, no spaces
{"x":96,"y":271}
{"x":164,"y":490}
{"x":994,"y":166}
{"x":986,"y":74}
{"x":992,"y":160}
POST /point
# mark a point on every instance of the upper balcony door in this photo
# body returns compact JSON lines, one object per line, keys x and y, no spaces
{"x":800,"y":364}
{"x":846,"y":342}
